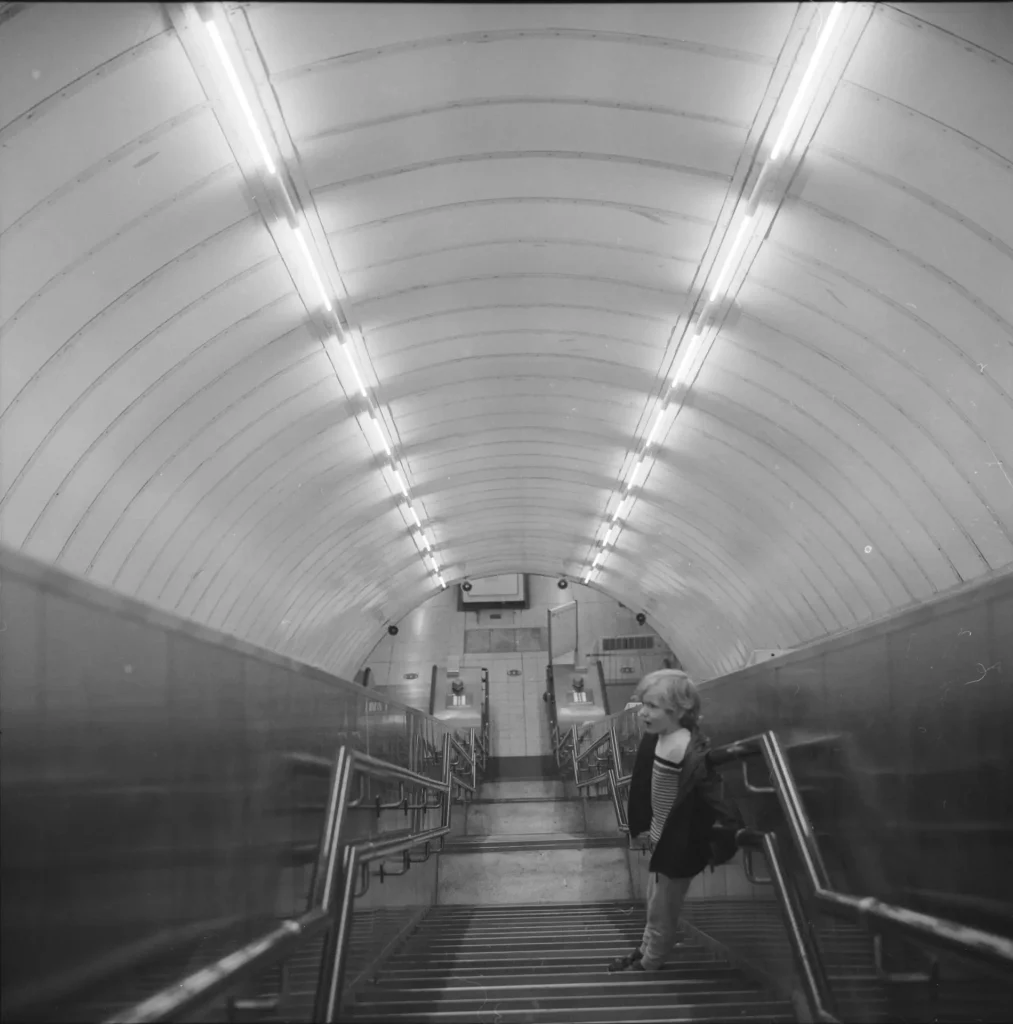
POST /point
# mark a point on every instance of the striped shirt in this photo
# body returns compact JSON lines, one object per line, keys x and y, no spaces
{"x":664,"y":790}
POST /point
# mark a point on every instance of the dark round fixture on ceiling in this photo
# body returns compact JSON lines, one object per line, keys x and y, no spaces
{"x":392,"y":630}
{"x":466,"y":586}
{"x":641,"y":618}
{"x":562,"y":584}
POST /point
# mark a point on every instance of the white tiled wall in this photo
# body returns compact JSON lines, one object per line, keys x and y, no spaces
{"x":519,"y":720}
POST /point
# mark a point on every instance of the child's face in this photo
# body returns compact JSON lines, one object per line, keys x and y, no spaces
{"x":657,"y":719}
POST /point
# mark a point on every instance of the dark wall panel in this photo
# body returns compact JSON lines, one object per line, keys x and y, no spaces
{"x":912,"y":786}
{"x":143,"y":794}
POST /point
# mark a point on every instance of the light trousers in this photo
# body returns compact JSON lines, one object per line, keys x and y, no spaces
{"x":664,"y":902}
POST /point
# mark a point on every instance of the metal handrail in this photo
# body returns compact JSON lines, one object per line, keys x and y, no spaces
{"x":470,"y":759}
{"x":804,"y":951}
{"x":972,"y":944}
{"x":335,"y":867}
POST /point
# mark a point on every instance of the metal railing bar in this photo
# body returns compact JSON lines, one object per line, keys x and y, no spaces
{"x":337,"y":805}
{"x":973,"y":944}
{"x":310,"y":764}
{"x":806,"y":958}
{"x":226,"y":972}
{"x":378,"y":769}
{"x":597,"y":780}
{"x":607,"y":738}
{"x":380,"y":849}
{"x":460,"y":750}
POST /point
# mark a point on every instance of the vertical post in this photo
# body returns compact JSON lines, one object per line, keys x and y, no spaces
{"x":474,"y":760}
{"x":332,"y":964}
{"x":794,"y":812}
{"x":327,"y":864}
{"x":445,"y":810}
{"x":804,"y":947}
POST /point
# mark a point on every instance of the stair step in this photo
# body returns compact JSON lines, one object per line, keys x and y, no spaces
{"x":521,"y":987}
{"x":440,"y":913}
{"x":562,"y":961}
{"x":717,"y":971}
{"x":546,"y":930}
{"x":632,"y":1012}
{"x":508,"y":944}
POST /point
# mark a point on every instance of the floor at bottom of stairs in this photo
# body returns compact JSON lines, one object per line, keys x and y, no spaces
{"x":548,"y":962}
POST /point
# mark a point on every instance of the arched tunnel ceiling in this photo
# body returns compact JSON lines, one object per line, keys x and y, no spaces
{"x":517,"y":208}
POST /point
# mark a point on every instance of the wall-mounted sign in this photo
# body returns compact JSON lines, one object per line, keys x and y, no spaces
{"x":372,"y":706}
{"x":411,"y":675}
{"x":514,"y":672}
{"x":627,"y":670}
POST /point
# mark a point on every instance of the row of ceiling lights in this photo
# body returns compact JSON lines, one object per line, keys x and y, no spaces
{"x":675,"y":392}
{"x":677,"y":388}
{"x":300,"y":230}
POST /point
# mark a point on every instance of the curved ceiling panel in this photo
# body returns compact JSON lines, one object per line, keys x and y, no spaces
{"x":518,"y":214}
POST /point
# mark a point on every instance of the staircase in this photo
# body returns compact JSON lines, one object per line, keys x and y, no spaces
{"x":534,"y":899}
{"x":541,"y":962}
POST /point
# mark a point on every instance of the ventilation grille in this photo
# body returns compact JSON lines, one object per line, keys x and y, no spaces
{"x":627,"y":643}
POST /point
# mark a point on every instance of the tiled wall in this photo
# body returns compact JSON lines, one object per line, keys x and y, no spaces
{"x":435,"y":631}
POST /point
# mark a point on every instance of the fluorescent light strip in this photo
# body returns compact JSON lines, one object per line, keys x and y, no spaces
{"x":635,"y":475}
{"x":237,"y":88}
{"x":608,"y":536}
{"x":679,"y":377}
{"x":658,"y":420}
{"x":346,"y":349}
{"x":686,"y":363}
{"x":313,"y":268}
{"x":733,"y":255}
{"x":379,"y":433}
{"x":803,"y":89}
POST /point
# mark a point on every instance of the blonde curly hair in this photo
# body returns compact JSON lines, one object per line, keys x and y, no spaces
{"x":673,"y":689}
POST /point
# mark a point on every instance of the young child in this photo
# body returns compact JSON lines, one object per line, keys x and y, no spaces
{"x":675,"y":796}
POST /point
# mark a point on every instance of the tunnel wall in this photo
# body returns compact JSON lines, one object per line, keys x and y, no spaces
{"x":911,"y":777}
{"x":144,"y":798}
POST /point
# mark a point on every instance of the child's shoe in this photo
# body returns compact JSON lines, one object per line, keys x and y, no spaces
{"x":629,"y":962}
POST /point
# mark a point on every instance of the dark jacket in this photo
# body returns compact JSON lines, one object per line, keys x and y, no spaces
{"x":700,"y":828}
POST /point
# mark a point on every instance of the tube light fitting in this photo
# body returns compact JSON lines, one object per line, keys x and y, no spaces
{"x":679,"y":377}
{"x":400,"y":482}
{"x":732,"y":258}
{"x":620,"y":511}
{"x":237,"y":88}
{"x":608,"y":536}
{"x":324,"y":298}
{"x":415,"y":516}
{"x":380,"y":435}
{"x":796,"y":104}
{"x":425,"y":543}
{"x":635,"y":475}
{"x":443,"y":582}
{"x":350,"y":359}
{"x":658,"y":420}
